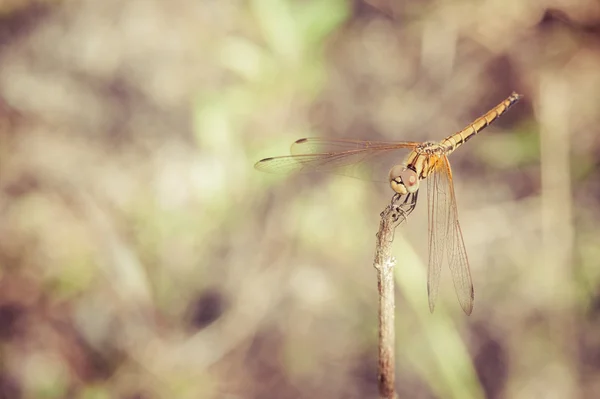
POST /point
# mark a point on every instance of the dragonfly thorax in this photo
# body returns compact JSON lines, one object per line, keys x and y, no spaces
{"x":429,"y":148}
{"x":404,"y":180}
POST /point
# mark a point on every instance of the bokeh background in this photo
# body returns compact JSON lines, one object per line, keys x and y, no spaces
{"x":142,"y":256}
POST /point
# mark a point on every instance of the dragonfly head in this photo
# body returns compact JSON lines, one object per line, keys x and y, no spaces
{"x":404,"y":180}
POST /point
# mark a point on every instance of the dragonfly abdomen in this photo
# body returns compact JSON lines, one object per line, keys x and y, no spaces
{"x":454,"y":141}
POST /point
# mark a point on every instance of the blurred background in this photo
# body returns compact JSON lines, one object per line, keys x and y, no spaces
{"x":142,"y":256}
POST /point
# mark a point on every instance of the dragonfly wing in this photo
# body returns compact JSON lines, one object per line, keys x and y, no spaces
{"x":437,"y":208}
{"x":329,"y":162}
{"x":355,"y":158}
{"x":318,"y":145}
{"x":457,"y":254}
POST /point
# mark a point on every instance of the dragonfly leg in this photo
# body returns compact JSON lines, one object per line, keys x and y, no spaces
{"x":410,"y":203}
{"x":404,"y":208}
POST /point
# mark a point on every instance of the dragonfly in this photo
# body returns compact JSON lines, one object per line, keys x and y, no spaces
{"x":425,"y":161}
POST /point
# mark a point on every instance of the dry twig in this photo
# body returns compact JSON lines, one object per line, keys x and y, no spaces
{"x":384,"y":263}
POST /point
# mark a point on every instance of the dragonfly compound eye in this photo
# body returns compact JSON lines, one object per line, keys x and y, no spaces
{"x":403,"y":180}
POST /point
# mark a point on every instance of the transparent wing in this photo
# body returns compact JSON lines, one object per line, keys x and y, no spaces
{"x":354,"y":158}
{"x":318,"y":145}
{"x":437,"y":209}
{"x":457,"y":254}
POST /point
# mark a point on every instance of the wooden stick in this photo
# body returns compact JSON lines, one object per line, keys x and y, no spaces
{"x":384,"y":263}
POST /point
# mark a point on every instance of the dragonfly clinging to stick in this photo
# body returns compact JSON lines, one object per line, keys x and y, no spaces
{"x":427,"y":160}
